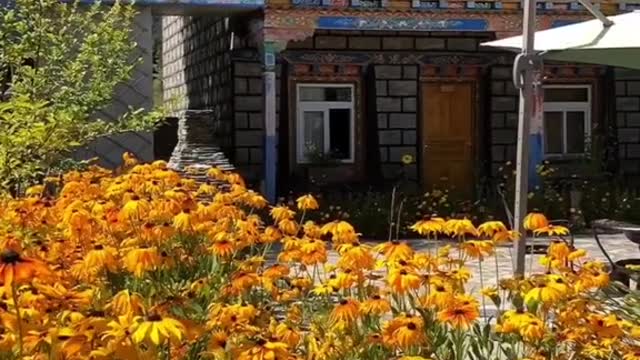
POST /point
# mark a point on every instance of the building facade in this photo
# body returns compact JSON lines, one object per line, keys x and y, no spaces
{"x":367,"y":91}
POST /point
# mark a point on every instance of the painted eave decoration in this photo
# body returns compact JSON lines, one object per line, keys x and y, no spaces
{"x":368,"y":23}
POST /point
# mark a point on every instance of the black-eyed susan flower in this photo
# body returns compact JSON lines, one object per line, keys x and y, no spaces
{"x":426,"y":227}
{"x":403,"y":279}
{"x":156,"y":329}
{"x":307,"y":202}
{"x":551,"y":230}
{"x":535,"y":220}
{"x":17,"y":269}
{"x":375,"y":305}
{"x":141,"y":260}
{"x":263,"y":349}
{"x":346,"y":311}
{"x":490,"y":228}
{"x":395,"y":250}
{"x":458,"y":314}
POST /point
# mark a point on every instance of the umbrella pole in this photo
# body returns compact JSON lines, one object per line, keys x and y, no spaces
{"x":523,"y":73}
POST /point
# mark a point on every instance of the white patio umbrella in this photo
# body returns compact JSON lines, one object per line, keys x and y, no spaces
{"x":616,"y":43}
{"x":611,"y":41}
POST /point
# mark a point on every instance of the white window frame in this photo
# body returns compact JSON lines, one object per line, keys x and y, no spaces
{"x":323,"y":106}
{"x":564,"y":107}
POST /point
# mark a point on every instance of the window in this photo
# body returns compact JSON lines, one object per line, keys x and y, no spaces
{"x":325,"y":123}
{"x":567,"y":119}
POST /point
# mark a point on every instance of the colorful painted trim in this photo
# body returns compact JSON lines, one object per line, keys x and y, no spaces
{"x":368,"y":23}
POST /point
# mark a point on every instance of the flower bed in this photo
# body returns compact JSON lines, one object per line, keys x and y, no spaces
{"x":149,"y":265}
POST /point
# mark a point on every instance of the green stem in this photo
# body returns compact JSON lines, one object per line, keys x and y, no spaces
{"x":484,"y":306}
{"x":18,"y":317}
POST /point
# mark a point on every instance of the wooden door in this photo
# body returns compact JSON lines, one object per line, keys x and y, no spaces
{"x":447,"y":136}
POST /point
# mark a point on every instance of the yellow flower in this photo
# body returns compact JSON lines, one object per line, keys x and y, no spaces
{"x":157,"y":329}
{"x":138,"y":261}
{"x":265,"y":350}
{"x":279,"y":213}
{"x":307,"y":202}
{"x":407,"y":159}
{"x":346,"y":311}
{"x":551,"y":230}
{"x":431,"y":226}
{"x":490,"y":228}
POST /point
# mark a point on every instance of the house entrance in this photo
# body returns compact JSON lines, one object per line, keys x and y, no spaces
{"x":447,"y":136}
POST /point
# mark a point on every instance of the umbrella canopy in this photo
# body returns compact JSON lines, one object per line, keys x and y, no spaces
{"x":587,"y":42}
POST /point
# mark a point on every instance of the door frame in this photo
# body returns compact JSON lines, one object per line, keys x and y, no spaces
{"x":458,"y":77}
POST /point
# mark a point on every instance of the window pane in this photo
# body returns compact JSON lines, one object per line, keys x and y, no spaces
{"x":340,"y":133}
{"x":338,"y":94}
{"x":553,"y":136}
{"x":313,"y":133}
{"x":566,"y":95}
{"x":308,"y":93}
{"x":575,"y":132}
{"x":319,"y":93}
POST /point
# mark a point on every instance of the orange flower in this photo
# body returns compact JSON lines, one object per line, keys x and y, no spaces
{"x":16,"y":269}
{"x":139,"y":261}
{"x":345,"y":312}
{"x":459,"y":314}
{"x":535,"y":221}
{"x":394,"y":250}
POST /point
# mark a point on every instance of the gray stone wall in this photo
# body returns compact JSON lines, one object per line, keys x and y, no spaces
{"x":396,"y":107}
{"x":197,"y":69}
{"x":136,"y":93}
{"x":627,"y":102}
{"x":248,"y":119}
{"x":503,"y":117}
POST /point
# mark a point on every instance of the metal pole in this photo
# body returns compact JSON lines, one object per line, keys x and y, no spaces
{"x":595,"y":12}
{"x":523,"y":78}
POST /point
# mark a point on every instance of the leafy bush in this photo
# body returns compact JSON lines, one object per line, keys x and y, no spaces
{"x":60,"y":63}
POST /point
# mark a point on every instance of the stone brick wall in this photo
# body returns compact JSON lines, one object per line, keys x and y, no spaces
{"x":197,"y":68}
{"x":136,"y":93}
{"x":248,"y":119}
{"x":627,"y":98}
{"x":396,"y":86}
{"x":396,"y":106}
{"x":503,"y":117}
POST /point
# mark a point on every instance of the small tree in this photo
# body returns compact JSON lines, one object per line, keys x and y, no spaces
{"x":61,"y":62}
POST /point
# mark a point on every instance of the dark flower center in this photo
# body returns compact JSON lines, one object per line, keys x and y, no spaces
{"x":411,"y":326}
{"x":459,"y":311}
{"x":403,"y":272}
{"x":10,"y":257}
{"x":98,"y":247}
{"x":343,"y":302}
{"x":376,"y":297}
{"x":154,"y":317}
{"x":261,"y":342}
